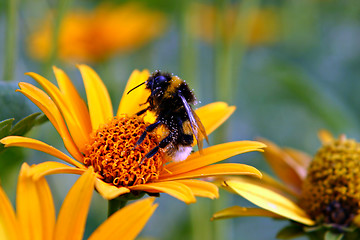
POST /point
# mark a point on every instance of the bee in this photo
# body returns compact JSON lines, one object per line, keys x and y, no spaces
{"x":171,"y":99}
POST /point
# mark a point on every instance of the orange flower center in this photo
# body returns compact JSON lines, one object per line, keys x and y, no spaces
{"x":112,"y":154}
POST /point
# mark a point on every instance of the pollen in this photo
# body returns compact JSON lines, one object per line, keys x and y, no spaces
{"x":112,"y":153}
{"x":331,"y":190}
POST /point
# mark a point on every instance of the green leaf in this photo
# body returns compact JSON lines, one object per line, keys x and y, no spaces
{"x":5,"y":127}
{"x":24,"y":125}
{"x":290,"y":232}
{"x":329,"y":235}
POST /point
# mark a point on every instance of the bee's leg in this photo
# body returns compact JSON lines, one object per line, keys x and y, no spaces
{"x":149,"y":128}
{"x":162,"y":144}
{"x":142,"y":111}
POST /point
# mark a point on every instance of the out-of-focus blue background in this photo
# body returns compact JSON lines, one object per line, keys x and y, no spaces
{"x":291,"y":67}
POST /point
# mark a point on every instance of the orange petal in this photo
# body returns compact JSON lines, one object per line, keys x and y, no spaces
{"x":302,"y":159}
{"x":16,"y":141}
{"x":99,"y":102}
{"x":325,"y":136}
{"x":73,"y":99}
{"x":35,"y":206}
{"x":48,"y":168}
{"x":126,"y":223}
{"x":175,"y":189}
{"x":201,"y":188}
{"x":269,"y":200}
{"x":212,"y":155}
{"x":224,"y":169}
{"x":285,"y":167}
{"x":129,"y":103}
{"x":73,"y":213}
{"x":9,"y":227}
{"x":214,"y":114}
{"x":80,"y":135}
{"x":109,"y":191}
{"x":46,"y":105}
{"x":237,"y":211}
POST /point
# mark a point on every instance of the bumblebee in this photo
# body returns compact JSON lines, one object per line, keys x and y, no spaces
{"x":171,"y":99}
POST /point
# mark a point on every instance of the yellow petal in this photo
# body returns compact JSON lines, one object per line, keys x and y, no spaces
{"x":73,"y":213}
{"x":270,"y":200}
{"x":285,"y":167}
{"x":47,"y":168}
{"x":34,"y":206}
{"x":9,"y":227}
{"x":224,"y":169}
{"x":79,"y":134}
{"x":302,"y":159}
{"x":17,"y":141}
{"x":214,"y":114}
{"x":237,"y":211}
{"x":73,"y":99}
{"x":325,"y":136}
{"x":46,"y":105}
{"x":109,"y":191}
{"x":201,"y":188}
{"x":212,"y":155}
{"x":126,"y":223}
{"x":99,"y":102}
{"x":175,"y":189}
{"x":130,"y":103}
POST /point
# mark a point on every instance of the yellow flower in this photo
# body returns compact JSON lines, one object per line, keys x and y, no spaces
{"x":98,"y":34}
{"x":35,"y":212}
{"x":322,"y":192}
{"x":261,"y":26}
{"x":94,"y":137}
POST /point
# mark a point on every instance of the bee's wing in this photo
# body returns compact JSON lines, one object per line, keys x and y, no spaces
{"x":195,"y":123}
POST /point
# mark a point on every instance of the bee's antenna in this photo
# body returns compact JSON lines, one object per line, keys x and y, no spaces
{"x":135,"y":87}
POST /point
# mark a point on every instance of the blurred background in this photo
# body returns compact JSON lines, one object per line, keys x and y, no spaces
{"x":291,"y":67}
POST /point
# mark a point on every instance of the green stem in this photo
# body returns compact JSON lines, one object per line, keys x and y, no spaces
{"x":59,"y":15}
{"x":188,"y":49}
{"x":116,"y":204}
{"x":10,"y":40}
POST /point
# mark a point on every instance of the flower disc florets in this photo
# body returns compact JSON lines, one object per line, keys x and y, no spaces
{"x":331,"y":190}
{"x":112,"y":154}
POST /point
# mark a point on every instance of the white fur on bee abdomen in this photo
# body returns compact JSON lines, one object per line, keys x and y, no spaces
{"x":178,"y":154}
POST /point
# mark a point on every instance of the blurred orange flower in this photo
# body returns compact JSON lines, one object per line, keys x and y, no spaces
{"x":260,"y":26}
{"x":98,"y":34}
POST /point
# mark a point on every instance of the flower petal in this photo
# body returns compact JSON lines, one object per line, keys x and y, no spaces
{"x":212,"y":155}
{"x":109,"y":191}
{"x":35,"y":206}
{"x":126,"y":223}
{"x":130,"y":103}
{"x":214,"y":114}
{"x":201,"y":188}
{"x":325,"y":136}
{"x":79,"y":134}
{"x":173,"y":188}
{"x":17,"y":141}
{"x":9,"y":227}
{"x":269,"y":200}
{"x":72,"y":216}
{"x":99,"y":102}
{"x":302,"y":159}
{"x":42,"y":100}
{"x":224,"y":169}
{"x":49,"y":167}
{"x":73,"y":99}
{"x":285,"y":167}
{"x":237,"y":211}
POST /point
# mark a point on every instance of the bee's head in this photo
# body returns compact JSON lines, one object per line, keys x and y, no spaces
{"x":158,"y":80}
